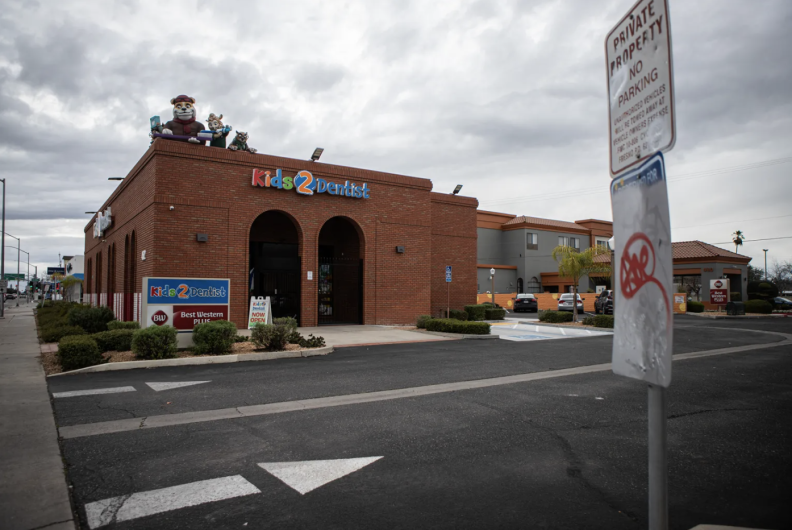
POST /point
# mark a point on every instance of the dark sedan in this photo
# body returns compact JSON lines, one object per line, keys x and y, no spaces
{"x":526,"y":302}
{"x":604,"y":303}
{"x":782,"y":303}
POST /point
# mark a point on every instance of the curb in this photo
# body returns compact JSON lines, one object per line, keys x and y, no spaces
{"x":737,"y":317}
{"x":459,"y":335}
{"x":191,"y":361}
{"x":559,"y":326}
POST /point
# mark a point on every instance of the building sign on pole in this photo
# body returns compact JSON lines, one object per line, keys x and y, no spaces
{"x":260,"y":311}
{"x":54,"y":270}
{"x":640,"y":77}
{"x":448,"y":273}
{"x":719,"y":292}
{"x":644,"y":283}
{"x":184,"y":303}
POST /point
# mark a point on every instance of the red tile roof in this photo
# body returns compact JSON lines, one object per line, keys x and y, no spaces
{"x":691,"y":250}
{"x":544,"y":222}
{"x":701,"y":250}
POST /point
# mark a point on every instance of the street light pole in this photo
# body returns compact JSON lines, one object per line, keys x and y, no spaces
{"x":492,"y":276}
{"x":765,"y":251}
{"x":4,"y":234}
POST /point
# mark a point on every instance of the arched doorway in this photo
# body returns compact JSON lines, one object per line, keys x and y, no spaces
{"x":340,"y":272}
{"x":274,"y":267}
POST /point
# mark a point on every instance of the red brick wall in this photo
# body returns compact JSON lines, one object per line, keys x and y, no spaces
{"x":453,"y":243}
{"x":211,"y":192}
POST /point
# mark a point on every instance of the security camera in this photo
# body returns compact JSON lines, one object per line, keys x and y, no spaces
{"x":172,"y":208}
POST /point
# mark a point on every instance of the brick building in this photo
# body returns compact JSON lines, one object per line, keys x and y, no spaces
{"x":351,"y":246}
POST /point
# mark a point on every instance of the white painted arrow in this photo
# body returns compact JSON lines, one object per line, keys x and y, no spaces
{"x":311,"y":474}
{"x":167,"y":386}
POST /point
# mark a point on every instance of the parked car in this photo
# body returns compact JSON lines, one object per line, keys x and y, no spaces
{"x":782,"y":303}
{"x":11,"y":296}
{"x":604,"y":303}
{"x":526,"y":302}
{"x":565,"y":302}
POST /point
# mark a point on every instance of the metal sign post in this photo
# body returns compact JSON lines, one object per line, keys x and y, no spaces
{"x":492,"y":277}
{"x":642,"y":342}
{"x":448,"y":291}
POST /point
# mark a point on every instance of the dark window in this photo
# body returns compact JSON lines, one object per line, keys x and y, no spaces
{"x":532,"y":241}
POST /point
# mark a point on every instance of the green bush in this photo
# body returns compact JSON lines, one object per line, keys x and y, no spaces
{"x":55,"y":333}
{"x":241,"y":338}
{"x":450,"y":325}
{"x":476,"y":312}
{"x":78,"y":351}
{"x":555,"y":317}
{"x":270,"y":337}
{"x":494,"y":313}
{"x":214,"y":338}
{"x":289,"y":322}
{"x":762,"y":290}
{"x":91,"y":319}
{"x":456,"y":314}
{"x":758,"y":306}
{"x":695,"y":307}
{"x":120,"y":324}
{"x":115,"y":340}
{"x":422,"y":320}
{"x":735,"y":296}
{"x":312,"y":342}
{"x":599,"y":321}
{"x":156,"y":342}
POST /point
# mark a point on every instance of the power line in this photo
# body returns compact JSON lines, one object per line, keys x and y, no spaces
{"x":749,"y":240}
{"x":728,"y":222}
{"x":684,"y":176}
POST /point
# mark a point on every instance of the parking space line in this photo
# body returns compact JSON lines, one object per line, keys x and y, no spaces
{"x":94,"y":391}
{"x":142,"y":504}
{"x":167,"y":420}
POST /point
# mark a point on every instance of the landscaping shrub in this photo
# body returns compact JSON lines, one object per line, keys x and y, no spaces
{"x":289,"y":322}
{"x":476,"y":312}
{"x":758,"y":306}
{"x":91,"y":319}
{"x":555,"y":317}
{"x":120,"y":324}
{"x":115,"y":340}
{"x":55,"y":333}
{"x":599,"y":321}
{"x":490,"y":304}
{"x":156,"y":342}
{"x":762,"y":290}
{"x":456,"y":314}
{"x":422,"y":320}
{"x":450,"y":325}
{"x":695,"y":307}
{"x":214,"y":338}
{"x":494,"y":313}
{"x":241,"y":338}
{"x":312,"y":342}
{"x":735,"y":296}
{"x":270,"y":337}
{"x":78,"y":351}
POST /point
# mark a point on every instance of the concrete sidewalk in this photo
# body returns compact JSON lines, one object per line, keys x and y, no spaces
{"x":33,"y":490}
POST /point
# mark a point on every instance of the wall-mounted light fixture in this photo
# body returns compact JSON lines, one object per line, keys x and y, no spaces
{"x":115,"y":178}
{"x":457,"y":189}
{"x":317,"y":153}
{"x":400,"y":250}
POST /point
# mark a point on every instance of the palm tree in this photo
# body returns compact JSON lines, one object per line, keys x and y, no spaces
{"x":738,"y":237}
{"x":574,"y":264}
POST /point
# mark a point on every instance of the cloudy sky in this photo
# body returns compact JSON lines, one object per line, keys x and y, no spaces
{"x":505,"y":97}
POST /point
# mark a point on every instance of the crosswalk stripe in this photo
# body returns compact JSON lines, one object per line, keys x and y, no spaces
{"x":94,"y":391}
{"x":142,"y":504}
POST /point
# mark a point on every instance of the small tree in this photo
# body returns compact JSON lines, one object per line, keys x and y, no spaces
{"x":738,"y":237}
{"x":574,"y":264}
{"x":755,"y":274}
{"x":67,"y":283}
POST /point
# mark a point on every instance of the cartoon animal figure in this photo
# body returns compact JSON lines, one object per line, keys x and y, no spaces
{"x":219,"y":131}
{"x":240,"y":143}
{"x":183,"y":122}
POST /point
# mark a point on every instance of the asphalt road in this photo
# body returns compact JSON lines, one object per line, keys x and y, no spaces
{"x":568,"y":452}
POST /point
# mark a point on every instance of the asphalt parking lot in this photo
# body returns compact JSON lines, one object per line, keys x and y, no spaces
{"x":560,"y":448}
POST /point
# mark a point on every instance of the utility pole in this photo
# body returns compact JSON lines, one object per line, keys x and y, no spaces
{"x":765,"y":251}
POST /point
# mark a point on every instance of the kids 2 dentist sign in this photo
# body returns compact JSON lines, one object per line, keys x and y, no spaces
{"x":305,"y":183}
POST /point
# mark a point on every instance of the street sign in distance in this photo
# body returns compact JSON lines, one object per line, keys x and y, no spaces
{"x":56,"y":270}
{"x":448,"y":273}
{"x":642,"y":342}
{"x":640,"y":77}
{"x":14,"y":276}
